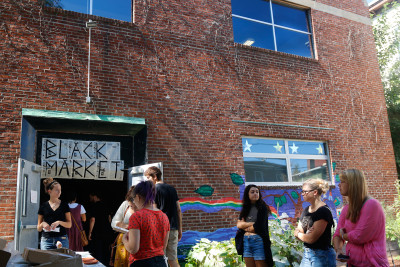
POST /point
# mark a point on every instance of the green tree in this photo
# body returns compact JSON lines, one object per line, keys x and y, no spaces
{"x":386,"y":27}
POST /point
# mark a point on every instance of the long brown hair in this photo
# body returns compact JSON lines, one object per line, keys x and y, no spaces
{"x":246,"y":203}
{"x":357,"y":192}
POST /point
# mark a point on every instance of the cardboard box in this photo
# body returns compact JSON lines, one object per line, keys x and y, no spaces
{"x":52,"y":258}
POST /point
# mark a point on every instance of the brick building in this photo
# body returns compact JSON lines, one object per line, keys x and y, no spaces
{"x":216,"y":91}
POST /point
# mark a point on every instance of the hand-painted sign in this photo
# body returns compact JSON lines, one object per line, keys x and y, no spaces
{"x":76,"y":159}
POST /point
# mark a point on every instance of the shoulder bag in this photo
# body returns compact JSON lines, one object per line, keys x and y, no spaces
{"x":84,"y":239}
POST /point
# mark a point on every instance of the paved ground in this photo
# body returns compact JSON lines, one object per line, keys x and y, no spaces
{"x":396,"y":262}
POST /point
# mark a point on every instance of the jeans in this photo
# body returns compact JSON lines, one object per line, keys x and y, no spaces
{"x":253,"y":247}
{"x":50,"y":242}
{"x":319,"y":258}
{"x":157,"y":261}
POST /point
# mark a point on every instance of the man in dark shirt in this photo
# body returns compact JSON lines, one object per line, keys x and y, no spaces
{"x":167,"y":200}
{"x":100,"y":231}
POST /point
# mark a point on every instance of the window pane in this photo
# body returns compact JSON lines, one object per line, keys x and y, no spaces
{"x":263,"y":145}
{"x":254,"y":9}
{"x":293,"y":42}
{"x":303,"y":169}
{"x":261,"y":34}
{"x":118,"y":9}
{"x":75,"y":5}
{"x":290,"y":17}
{"x":265,"y":170}
{"x":309,"y":148}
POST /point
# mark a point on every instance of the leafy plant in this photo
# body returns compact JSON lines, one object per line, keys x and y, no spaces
{"x":392,"y":213}
{"x":208,"y":253}
{"x":286,"y":249}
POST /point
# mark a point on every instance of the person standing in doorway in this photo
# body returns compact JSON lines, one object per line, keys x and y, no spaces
{"x":100,"y":231}
{"x":78,"y":216}
{"x":54,"y":217}
{"x":167,"y":200}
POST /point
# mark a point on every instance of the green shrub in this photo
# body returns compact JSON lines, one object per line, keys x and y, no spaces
{"x":392,"y":213}
{"x":286,"y":249}
{"x":214,"y":254}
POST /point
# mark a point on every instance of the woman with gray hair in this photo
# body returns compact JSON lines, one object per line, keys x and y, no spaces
{"x":314,"y":228}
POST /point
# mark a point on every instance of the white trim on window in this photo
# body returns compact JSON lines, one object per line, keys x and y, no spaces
{"x":288,"y":157}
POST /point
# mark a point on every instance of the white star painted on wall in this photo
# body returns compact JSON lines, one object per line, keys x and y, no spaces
{"x":294,"y":148}
{"x":320,"y":150}
{"x":247,"y":146}
{"x":278,"y":147}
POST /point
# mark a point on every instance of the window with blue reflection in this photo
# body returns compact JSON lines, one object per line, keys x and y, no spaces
{"x":254,"y":9}
{"x":256,"y":145}
{"x":259,"y":34}
{"x":292,"y":42}
{"x":290,"y":17}
{"x":273,"y":26}
{"x":265,"y":170}
{"x":118,"y":9}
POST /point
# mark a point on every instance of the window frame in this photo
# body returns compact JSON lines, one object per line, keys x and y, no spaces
{"x":288,"y":156}
{"x":273,"y":25}
{"x":98,"y":12}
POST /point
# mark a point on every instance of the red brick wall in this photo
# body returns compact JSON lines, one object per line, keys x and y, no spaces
{"x":179,"y":69}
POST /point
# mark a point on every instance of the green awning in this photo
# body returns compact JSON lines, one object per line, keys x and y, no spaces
{"x":80,"y":116}
{"x":74,"y":122}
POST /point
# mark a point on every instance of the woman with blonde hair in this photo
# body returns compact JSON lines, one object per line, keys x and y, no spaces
{"x":314,"y":228}
{"x":361,"y":224}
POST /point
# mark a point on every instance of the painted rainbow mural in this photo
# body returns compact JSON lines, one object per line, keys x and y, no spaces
{"x":274,"y":212}
{"x":197,"y":203}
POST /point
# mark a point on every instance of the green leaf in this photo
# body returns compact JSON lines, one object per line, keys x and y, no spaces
{"x":205,"y":190}
{"x":236,"y":179}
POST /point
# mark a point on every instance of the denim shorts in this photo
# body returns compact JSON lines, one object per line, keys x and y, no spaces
{"x":318,"y":258}
{"x":253,"y":247}
{"x":50,"y":242}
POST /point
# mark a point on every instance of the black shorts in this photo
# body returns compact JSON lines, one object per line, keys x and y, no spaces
{"x":157,"y":261}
